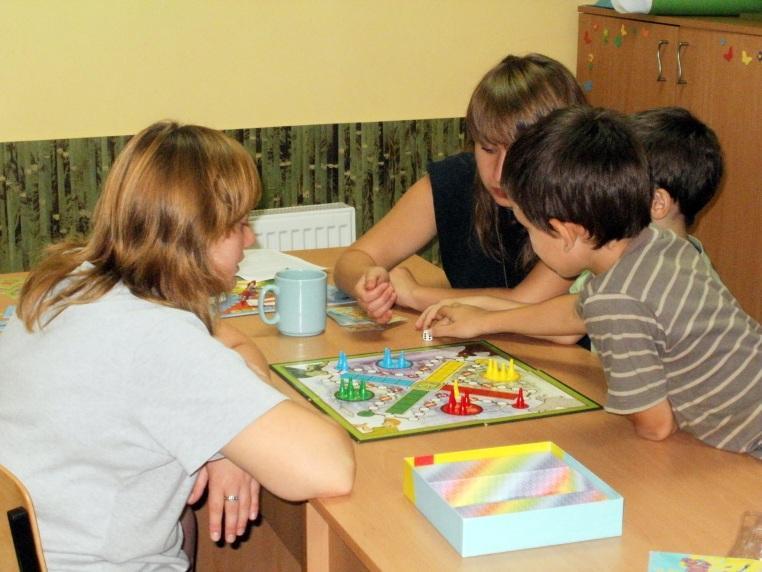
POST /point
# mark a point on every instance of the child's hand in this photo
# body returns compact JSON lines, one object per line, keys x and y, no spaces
{"x":429,"y":315}
{"x":454,"y":320}
{"x":375,"y":294}
{"x":225,"y":480}
{"x":404,"y":285}
{"x":484,"y":302}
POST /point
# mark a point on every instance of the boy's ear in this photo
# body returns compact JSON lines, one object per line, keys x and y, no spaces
{"x":662,"y":205}
{"x":569,"y":232}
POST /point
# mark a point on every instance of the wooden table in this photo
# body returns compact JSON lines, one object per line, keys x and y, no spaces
{"x":679,"y":495}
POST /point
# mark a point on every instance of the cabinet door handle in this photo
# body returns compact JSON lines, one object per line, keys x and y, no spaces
{"x":680,"y":79}
{"x":659,"y":46}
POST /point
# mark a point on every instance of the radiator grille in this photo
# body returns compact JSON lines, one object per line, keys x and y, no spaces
{"x":304,"y":227}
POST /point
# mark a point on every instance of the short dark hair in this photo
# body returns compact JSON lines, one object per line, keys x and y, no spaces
{"x":583,"y":165}
{"x":684,"y":156}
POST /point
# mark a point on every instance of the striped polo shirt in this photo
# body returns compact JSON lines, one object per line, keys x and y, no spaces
{"x":666,"y":327}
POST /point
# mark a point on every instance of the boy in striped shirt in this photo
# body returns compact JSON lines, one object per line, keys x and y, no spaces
{"x":685,"y":161}
{"x":677,"y":349}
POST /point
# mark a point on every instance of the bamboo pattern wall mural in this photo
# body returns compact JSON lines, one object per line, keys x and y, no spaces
{"x":48,"y":188}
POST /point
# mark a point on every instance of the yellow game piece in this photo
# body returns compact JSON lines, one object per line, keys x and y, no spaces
{"x":455,"y":391}
{"x":512,"y":374}
{"x":501,"y":372}
{"x":492,"y":373}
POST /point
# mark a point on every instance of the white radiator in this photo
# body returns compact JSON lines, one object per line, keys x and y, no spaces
{"x":304,"y":227}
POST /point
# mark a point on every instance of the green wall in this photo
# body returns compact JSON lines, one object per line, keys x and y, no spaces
{"x":48,"y":188}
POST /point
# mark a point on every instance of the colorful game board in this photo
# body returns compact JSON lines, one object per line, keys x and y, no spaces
{"x":419,"y":390}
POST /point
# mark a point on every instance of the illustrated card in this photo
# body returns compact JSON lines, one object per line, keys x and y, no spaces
{"x":677,"y":562}
{"x":243,"y":300}
{"x":355,"y":319}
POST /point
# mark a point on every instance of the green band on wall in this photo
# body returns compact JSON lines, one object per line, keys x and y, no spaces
{"x":48,"y":189}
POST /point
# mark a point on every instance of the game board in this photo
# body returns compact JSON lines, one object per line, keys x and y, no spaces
{"x":419,"y":390}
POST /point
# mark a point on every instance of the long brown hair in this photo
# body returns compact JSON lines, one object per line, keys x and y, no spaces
{"x":171,"y":193}
{"x":512,"y":95}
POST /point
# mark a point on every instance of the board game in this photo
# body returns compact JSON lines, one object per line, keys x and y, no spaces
{"x":419,"y":390}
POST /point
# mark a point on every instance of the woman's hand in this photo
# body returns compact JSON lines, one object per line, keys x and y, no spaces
{"x":375,"y":294}
{"x":232,"y":493}
{"x":405,"y":285}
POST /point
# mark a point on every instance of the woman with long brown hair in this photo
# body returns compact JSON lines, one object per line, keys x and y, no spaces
{"x":460,"y":202}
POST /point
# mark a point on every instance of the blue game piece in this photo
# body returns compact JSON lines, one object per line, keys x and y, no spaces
{"x":387,"y":359}
{"x":342,"y":364}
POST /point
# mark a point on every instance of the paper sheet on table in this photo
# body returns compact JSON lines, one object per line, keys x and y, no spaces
{"x":262,"y":264}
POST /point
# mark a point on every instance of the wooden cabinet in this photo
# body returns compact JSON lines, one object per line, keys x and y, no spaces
{"x":713,"y":67}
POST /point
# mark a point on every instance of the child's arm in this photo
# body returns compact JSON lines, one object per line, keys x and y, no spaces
{"x":540,"y":284}
{"x":655,"y":423}
{"x":491,"y":303}
{"x":410,"y":294}
{"x":555,"y":319}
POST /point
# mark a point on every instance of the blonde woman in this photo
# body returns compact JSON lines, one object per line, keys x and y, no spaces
{"x":118,"y":384}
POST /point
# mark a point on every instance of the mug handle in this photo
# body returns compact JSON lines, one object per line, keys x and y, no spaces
{"x":261,"y":303}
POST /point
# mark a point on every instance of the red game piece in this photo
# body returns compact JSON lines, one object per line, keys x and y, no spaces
{"x":451,"y":403}
{"x":520,"y":403}
{"x":462,"y":407}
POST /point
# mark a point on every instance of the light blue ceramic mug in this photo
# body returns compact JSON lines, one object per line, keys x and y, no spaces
{"x":300,"y":301}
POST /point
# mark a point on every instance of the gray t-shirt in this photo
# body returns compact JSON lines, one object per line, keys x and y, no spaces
{"x":667,"y":328}
{"x":106,"y":414}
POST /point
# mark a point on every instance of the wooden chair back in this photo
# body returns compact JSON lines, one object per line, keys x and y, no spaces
{"x":20,"y":547}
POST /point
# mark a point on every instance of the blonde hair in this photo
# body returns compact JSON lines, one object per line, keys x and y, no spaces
{"x":511,"y":96}
{"x":172,"y":192}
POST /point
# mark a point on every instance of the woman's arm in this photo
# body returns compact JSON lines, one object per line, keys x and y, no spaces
{"x":236,"y":340}
{"x":362,"y":270}
{"x":295,"y":453}
{"x":292,"y":451}
{"x":224,"y":478}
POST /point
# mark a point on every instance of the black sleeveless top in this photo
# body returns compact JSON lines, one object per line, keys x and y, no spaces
{"x":465,"y":263}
